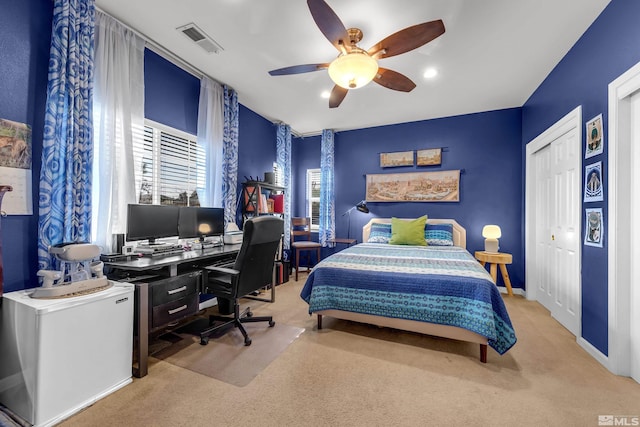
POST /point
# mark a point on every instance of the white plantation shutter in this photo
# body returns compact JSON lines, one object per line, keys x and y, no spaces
{"x":313,"y":197}
{"x":173,"y":166}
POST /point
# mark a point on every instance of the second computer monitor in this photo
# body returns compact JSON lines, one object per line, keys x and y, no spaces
{"x":200,"y":222}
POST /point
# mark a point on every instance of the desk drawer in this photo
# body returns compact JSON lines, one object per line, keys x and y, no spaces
{"x":174,"y":288}
{"x":174,"y":310}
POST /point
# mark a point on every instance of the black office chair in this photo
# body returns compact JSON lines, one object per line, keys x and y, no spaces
{"x":252,"y":270}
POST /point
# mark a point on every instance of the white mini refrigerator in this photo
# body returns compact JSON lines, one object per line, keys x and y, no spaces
{"x":58,"y":356}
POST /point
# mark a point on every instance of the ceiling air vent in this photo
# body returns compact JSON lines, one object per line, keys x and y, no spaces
{"x":200,"y":38}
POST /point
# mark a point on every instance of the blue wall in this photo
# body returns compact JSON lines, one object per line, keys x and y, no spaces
{"x":605,"y":51}
{"x":171,"y":95}
{"x":486,"y":145}
{"x":489,"y":146}
{"x":256,"y":148}
{"x":25,"y":36}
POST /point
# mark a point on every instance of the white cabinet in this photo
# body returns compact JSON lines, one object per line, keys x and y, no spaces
{"x":61,"y":355}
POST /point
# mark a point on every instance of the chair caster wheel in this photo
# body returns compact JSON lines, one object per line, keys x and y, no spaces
{"x":249,"y":314}
{"x":271,"y":323}
{"x":247,"y":342}
{"x":204,"y":341}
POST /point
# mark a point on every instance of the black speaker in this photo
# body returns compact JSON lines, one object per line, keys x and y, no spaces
{"x":118,"y":242}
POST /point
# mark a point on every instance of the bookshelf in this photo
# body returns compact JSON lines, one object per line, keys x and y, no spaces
{"x":261,"y":198}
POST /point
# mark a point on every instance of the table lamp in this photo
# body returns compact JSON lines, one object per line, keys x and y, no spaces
{"x":491,"y":234}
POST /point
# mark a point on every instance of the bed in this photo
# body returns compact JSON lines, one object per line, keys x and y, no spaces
{"x":438,"y":289}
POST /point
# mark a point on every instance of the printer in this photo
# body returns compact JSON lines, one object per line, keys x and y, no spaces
{"x":232,"y":235}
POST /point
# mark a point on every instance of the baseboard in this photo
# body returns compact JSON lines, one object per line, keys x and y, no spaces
{"x":516,"y":291}
{"x":594,"y":352}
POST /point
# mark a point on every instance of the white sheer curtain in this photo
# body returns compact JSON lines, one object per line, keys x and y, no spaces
{"x":118,"y":117}
{"x":210,"y":138}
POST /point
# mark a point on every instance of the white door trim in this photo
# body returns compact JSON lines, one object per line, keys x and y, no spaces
{"x":620,"y":274}
{"x":572,"y":120}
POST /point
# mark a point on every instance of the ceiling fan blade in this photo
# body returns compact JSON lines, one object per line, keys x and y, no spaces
{"x":337,"y":95}
{"x":329,"y":23}
{"x":408,"y":39}
{"x":298,"y":69}
{"x":394,"y":80}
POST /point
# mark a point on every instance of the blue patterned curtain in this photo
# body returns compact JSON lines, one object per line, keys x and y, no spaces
{"x":283,"y":152}
{"x":327,"y":229}
{"x":230,"y":155}
{"x":67,"y":152}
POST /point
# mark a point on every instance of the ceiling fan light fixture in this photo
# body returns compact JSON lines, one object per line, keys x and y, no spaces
{"x":353,"y":70}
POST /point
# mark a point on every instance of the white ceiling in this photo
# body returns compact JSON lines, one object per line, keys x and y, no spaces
{"x":493,"y":55}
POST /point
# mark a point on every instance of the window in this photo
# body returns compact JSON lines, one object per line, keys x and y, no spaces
{"x":172,"y":166}
{"x":313,"y":197}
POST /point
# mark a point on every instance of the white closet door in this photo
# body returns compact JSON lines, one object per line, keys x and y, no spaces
{"x":544,"y":261}
{"x":565,"y":232}
{"x":557,"y":212}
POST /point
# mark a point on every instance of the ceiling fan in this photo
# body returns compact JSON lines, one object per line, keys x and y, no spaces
{"x":355,"y":67}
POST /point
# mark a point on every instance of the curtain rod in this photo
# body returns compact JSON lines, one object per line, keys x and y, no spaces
{"x":162,"y":51}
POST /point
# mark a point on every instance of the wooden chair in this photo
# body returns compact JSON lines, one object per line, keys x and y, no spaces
{"x":301,"y":229}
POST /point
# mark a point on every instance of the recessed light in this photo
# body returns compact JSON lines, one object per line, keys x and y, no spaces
{"x":430,"y":73}
{"x":326,"y":94}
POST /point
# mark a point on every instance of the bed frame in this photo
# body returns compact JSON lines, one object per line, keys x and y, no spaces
{"x":445,"y":331}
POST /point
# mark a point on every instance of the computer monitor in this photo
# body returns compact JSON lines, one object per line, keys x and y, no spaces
{"x":150,"y":222}
{"x":200,"y":222}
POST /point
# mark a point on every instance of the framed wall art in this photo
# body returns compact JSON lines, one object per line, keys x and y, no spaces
{"x":593,"y":190}
{"x":594,"y":227}
{"x":440,"y":186}
{"x":429,"y":157}
{"x":399,"y":158}
{"x":16,"y":153}
{"x":594,"y":137}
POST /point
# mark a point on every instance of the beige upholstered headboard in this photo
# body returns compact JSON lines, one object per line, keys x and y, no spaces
{"x":459,"y":233}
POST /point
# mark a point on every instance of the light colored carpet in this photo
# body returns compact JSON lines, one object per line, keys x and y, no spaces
{"x":226,"y":358}
{"x":356,"y":375}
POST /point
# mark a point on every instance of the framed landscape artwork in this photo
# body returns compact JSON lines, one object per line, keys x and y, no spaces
{"x":440,"y":186}
{"x":429,"y":157}
{"x":399,"y":158}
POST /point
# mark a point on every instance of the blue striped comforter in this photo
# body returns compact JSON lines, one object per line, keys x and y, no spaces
{"x":436,"y":284}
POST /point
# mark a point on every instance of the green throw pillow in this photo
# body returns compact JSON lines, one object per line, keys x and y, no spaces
{"x":405,"y":232}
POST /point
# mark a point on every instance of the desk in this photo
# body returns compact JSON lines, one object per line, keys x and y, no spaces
{"x":170,"y":263}
{"x":495,"y":259}
{"x":166,"y":291}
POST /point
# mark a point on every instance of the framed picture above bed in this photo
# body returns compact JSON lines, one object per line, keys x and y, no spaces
{"x":440,"y":186}
{"x":399,"y":158}
{"x":429,"y":157}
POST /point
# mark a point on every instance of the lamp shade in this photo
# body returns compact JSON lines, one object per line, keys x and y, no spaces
{"x":353,"y":70}
{"x":362,"y":207}
{"x":491,"y":232}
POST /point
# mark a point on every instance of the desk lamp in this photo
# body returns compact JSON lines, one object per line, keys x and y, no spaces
{"x":491,"y":234}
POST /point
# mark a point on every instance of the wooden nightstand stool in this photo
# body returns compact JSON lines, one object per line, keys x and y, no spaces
{"x":495,"y":259}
